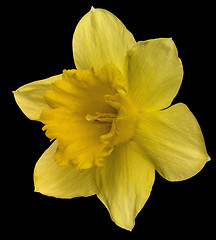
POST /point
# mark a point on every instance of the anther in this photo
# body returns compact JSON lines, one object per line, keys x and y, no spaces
{"x":101,"y":117}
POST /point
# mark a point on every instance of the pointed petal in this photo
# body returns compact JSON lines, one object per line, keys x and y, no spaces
{"x":30,"y":97}
{"x":154,"y":73}
{"x":173,"y":140}
{"x":124,"y":184}
{"x":62,"y":182}
{"x":101,"y":38}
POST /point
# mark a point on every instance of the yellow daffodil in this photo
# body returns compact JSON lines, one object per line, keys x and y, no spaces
{"x":111,"y":119}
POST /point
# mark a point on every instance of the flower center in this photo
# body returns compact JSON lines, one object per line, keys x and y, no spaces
{"x":124,"y":124}
{"x":90,"y":113}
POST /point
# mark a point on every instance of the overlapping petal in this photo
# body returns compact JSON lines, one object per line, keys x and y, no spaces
{"x":101,"y":38}
{"x":30,"y":97}
{"x":63,"y":182}
{"x":124,"y":183}
{"x":173,"y":140}
{"x":154,"y":73}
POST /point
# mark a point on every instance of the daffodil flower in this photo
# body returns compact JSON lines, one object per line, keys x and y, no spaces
{"x":111,"y":121}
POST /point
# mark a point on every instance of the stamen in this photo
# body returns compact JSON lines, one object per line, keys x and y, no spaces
{"x":101,"y":117}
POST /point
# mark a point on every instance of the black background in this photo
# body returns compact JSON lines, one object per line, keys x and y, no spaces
{"x":37,"y":38}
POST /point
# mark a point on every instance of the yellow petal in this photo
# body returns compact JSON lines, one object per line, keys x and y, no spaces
{"x":30,"y":97}
{"x":173,"y":141}
{"x":62,"y":182}
{"x":124,"y":183}
{"x":154,"y":73}
{"x":101,"y":38}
